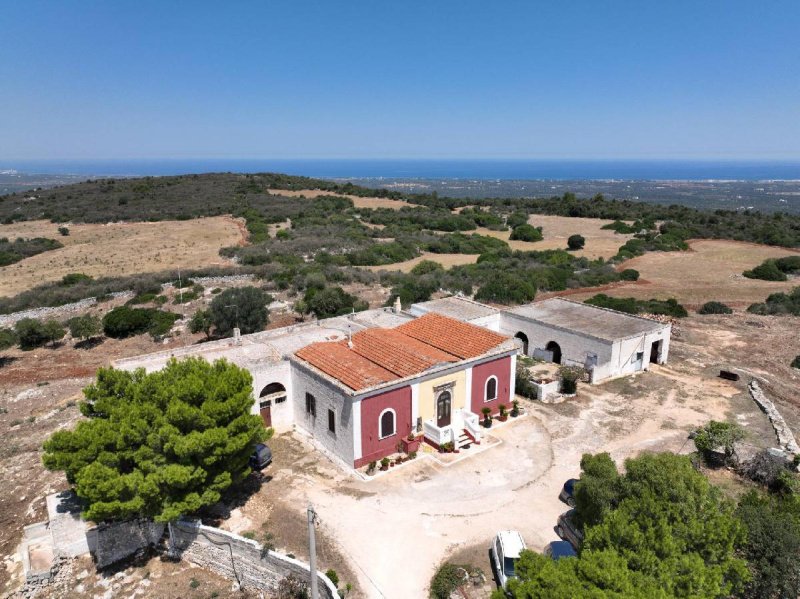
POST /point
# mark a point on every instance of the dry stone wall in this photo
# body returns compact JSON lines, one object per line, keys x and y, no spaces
{"x":782,"y":430}
{"x":239,"y":559}
{"x":112,"y":542}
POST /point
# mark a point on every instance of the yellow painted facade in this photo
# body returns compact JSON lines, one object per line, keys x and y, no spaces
{"x":427,"y":396}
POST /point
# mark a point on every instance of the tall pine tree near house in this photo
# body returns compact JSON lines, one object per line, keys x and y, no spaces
{"x":160,"y":445}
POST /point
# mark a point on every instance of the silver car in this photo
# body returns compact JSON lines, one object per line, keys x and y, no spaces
{"x":568,"y":530}
{"x":505,"y":550}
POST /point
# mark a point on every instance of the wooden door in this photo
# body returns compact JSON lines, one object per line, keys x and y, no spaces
{"x":266,"y":413}
{"x":443,"y":405}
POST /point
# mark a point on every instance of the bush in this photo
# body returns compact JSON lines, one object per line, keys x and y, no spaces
{"x":629,"y":274}
{"x":84,"y":327}
{"x":124,"y":322}
{"x":767,"y":271}
{"x":779,"y":304}
{"x":506,"y":288}
{"x":630,"y":305}
{"x":31,"y":333}
{"x":527,"y":232}
{"x":714,"y":308}
{"x":426,"y":267}
{"x":332,"y":576}
{"x":796,"y":362}
{"x":332,"y":301}
{"x":446,"y":580}
{"x":570,"y":376}
{"x":74,"y":278}
{"x":242,"y":307}
{"x":64,"y":231}
{"x":8,"y":338}
{"x":718,"y":438}
{"x":576,"y":242}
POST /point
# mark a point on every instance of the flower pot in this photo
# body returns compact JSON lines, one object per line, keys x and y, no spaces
{"x":385,"y":468}
{"x":409,"y":446}
{"x":503,"y":418}
{"x":487,"y":423}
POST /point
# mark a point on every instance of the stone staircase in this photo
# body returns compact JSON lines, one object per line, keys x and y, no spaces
{"x":465,"y":440}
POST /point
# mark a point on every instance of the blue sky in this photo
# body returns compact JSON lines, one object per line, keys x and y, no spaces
{"x":579,"y":79}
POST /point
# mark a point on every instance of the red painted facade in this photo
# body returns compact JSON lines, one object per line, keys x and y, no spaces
{"x":373,"y":448}
{"x":500,"y":368}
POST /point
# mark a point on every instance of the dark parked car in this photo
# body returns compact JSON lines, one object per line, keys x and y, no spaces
{"x":261,"y":458}
{"x":558,"y":549}
{"x":567,"y":494}
{"x":568,"y":530}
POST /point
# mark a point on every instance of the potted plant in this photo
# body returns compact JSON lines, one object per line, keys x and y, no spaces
{"x":410,"y":443}
{"x":514,"y":408}
{"x":385,"y":464}
{"x":371,"y":468}
{"x":487,"y":417}
{"x":412,"y":455}
{"x":503,"y":415}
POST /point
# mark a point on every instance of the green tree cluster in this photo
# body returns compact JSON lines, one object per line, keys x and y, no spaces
{"x":159,"y":445}
{"x":775,"y":269}
{"x":631,"y":305}
{"x":32,"y":333}
{"x":505,"y":288}
{"x":332,"y":301}
{"x":779,"y":304}
{"x":242,"y":307}
{"x":125,"y":321}
{"x":718,"y":439}
{"x":658,"y":530}
{"x":84,"y":327}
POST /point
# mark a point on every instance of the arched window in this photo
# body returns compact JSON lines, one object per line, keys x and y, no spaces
{"x":491,"y":389}
{"x":387,"y":423}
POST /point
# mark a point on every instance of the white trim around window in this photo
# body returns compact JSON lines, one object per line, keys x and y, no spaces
{"x":486,"y":389}
{"x":381,"y":436}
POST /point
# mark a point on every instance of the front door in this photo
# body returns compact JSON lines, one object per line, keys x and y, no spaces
{"x":443,"y":409}
{"x":266,"y":413}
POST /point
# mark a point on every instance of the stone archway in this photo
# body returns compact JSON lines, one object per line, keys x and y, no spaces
{"x":555,"y":349}
{"x":274,"y":393}
{"x":524,"y":339}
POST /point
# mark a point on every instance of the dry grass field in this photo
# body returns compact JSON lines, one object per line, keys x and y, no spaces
{"x":446,"y":260}
{"x":710,"y":270}
{"x":600,"y":243}
{"x":119,"y":249}
{"x":358,"y":201}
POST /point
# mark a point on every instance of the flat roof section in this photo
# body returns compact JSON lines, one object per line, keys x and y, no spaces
{"x":460,"y":308}
{"x":601,"y":323}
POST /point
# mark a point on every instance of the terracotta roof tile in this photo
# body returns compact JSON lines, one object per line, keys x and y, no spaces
{"x":335,"y":359}
{"x":453,"y":336}
{"x":383,"y":355}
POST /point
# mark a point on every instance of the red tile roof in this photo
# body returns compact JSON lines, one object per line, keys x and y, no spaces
{"x":453,"y":336}
{"x":383,"y":355}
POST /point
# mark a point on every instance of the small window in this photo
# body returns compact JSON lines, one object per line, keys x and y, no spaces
{"x":264,"y":404}
{"x":280,"y":399}
{"x":311,"y":405}
{"x":491,"y":389}
{"x":387,"y":424}
{"x":332,"y":421}
{"x":639,"y":356}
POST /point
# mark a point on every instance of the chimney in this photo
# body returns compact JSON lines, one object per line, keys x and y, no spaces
{"x":398,"y":307}
{"x":237,"y":336}
{"x":349,"y":338}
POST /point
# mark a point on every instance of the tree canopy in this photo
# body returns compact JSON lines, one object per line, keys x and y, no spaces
{"x":159,"y":445}
{"x":243,"y":307}
{"x":659,"y":530}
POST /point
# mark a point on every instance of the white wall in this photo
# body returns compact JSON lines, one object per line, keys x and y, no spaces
{"x":327,"y":397}
{"x":281,"y":372}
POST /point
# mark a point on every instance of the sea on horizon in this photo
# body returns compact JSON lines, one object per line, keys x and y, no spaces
{"x":482,"y":169}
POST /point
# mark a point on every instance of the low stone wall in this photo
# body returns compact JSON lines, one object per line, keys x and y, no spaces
{"x":112,"y":542}
{"x":239,"y":559}
{"x":782,"y":431}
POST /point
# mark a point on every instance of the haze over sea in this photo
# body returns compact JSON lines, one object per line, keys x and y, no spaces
{"x":518,"y":169}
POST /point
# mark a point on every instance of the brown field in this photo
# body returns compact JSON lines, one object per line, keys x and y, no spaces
{"x":710,"y":270}
{"x":119,"y":249}
{"x":446,"y":260}
{"x":600,"y":243}
{"x":358,"y":201}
